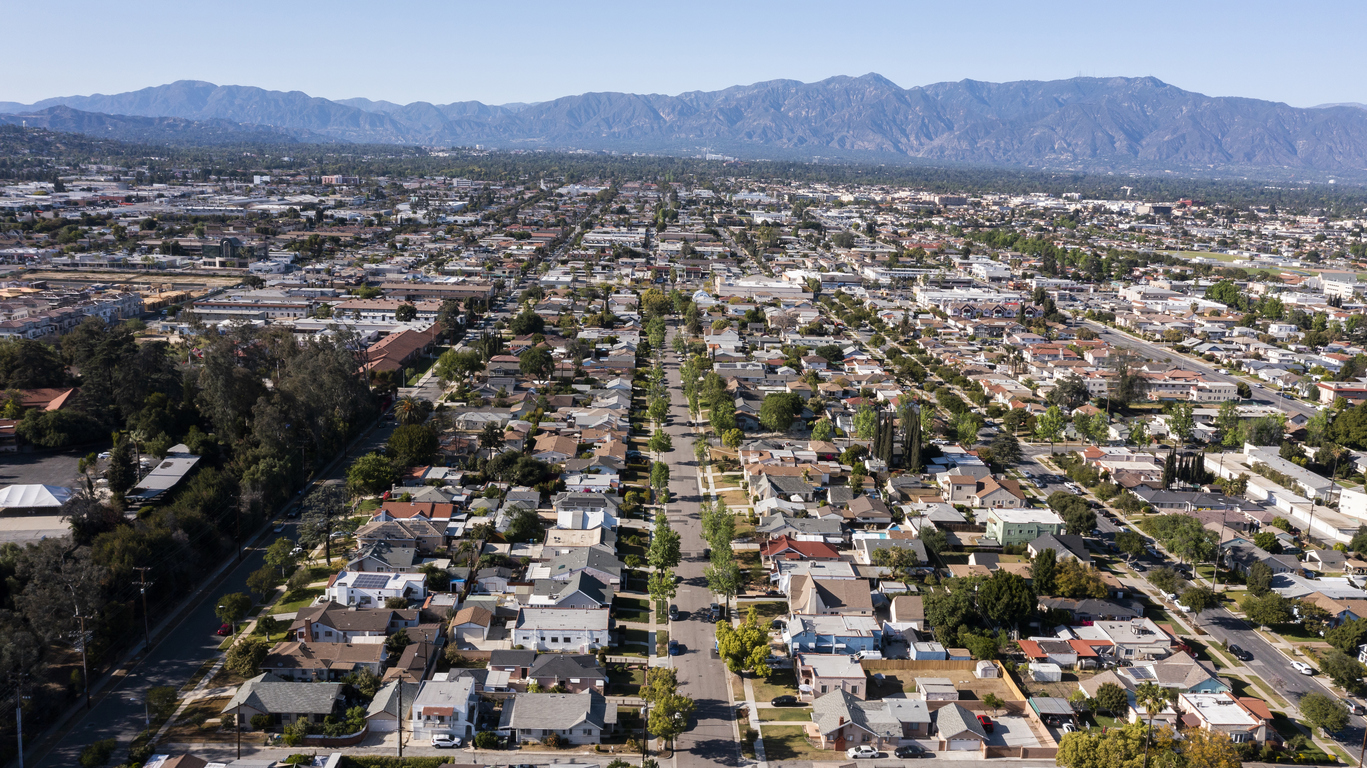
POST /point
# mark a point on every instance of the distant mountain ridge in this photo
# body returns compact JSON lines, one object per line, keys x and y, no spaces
{"x":1114,"y":123}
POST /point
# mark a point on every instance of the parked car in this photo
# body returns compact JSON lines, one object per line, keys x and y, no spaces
{"x":673,"y":647}
{"x":1303,"y":668}
{"x":1354,"y":707}
{"x":442,"y":741}
{"x":1240,"y":653}
{"x":280,"y":526}
{"x":986,"y":723}
{"x":911,"y":751}
{"x":863,"y":750}
{"x":673,"y":612}
{"x":784,"y":701}
{"x":225,"y":630}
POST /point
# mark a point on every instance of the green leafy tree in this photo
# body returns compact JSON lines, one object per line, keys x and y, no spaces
{"x":370,"y":475}
{"x":733,"y":438}
{"x":658,"y":410}
{"x":245,"y":657}
{"x":664,"y":551}
{"x":779,"y":410}
{"x":232,"y":607}
{"x":1049,"y":427}
{"x":1199,"y":599}
{"x":412,"y":445}
{"x":1006,"y":598}
{"x":724,"y":578}
{"x":660,"y":443}
{"x":1130,"y":543}
{"x":1259,"y":579}
{"x":659,"y":481}
{"x":525,"y":526}
{"x":280,"y":556}
{"x":744,"y":648}
{"x":1006,"y":449}
{"x":662,"y":586}
{"x":1182,"y":421}
{"x":1322,"y":712}
{"x":1268,"y":609}
{"x":1112,"y":698}
{"x":821,"y":430}
{"x":865,"y":422}
{"x":1346,"y":671}
{"x":1043,"y":566}
{"x":1348,"y":636}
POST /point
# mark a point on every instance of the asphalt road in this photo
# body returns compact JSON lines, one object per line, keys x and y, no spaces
{"x":119,"y":711}
{"x":711,"y":739}
{"x":1261,"y":394}
{"x":1268,"y":663}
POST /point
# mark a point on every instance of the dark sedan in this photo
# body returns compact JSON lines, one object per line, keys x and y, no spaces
{"x":784,"y":701}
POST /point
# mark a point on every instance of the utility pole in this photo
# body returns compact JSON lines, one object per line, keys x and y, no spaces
{"x":85,"y":666}
{"x":399,"y":715}
{"x":19,"y":713}
{"x":142,"y":584}
{"x":237,"y":725}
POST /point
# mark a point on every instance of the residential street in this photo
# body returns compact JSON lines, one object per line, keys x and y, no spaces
{"x":119,"y":712}
{"x":1263,"y":396}
{"x":712,"y":739}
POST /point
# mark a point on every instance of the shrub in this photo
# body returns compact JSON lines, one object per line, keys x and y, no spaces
{"x":98,"y":754}
{"x":552,"y":740}
{"x":486,"y":740}
{"x":261,"y":722}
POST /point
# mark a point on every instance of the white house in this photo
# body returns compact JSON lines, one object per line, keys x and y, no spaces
{"x":444,"y":707}
{"x":370,"y":590}
{"x":580,"y":630}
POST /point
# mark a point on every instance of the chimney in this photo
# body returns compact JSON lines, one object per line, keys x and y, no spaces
{"x":841,"y":721}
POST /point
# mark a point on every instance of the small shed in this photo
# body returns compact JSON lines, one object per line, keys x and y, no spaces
{"x":986,"y":669}
{"x":936,"y":689}
{"x":1046,"y":672}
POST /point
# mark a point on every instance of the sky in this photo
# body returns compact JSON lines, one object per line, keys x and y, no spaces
{"x":1303,"y":54}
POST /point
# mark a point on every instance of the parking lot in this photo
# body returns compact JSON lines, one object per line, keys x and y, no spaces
{"x":40,"y":468}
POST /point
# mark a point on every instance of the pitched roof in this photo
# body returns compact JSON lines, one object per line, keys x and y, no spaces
{"x":953,"y":721}
{"x":274,"y":696}
{"x":557,"y":711}
{"x":840,"y":707}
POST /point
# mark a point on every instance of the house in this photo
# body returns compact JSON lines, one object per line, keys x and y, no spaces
{"x":819,"y":674}
{"x":1139,"y":639}
{"x":1090,"y":609}
{"x":585,"y":510}
{"x":788,"y":548}
{"x":444,"y":707}
{"x":470,"y":623}
{"x":574,"y":673}
{"x":578,"y":630}
{"x":959,"y":489}
{"x":1065,"y":547}
{"x":384,"y":557}
{"x":769,"y":486}
{"x":516,"y":664}
{"x":383,"y":712}
{"x":333,"y":622}
{"x":1242,"y":719}
{"x":1051,"y":651}
{"x":285,"y":702}
{"x":991,"y":493}
{"x":314,"y":662}
{"x":369,"y":590}
{"x":598,"y":562}
{"x":576,"y":718}
{"x":555,"y":449}
{"x":936,"y":689}
{"x":841,"y":720}
{"x":909,"y":609}
{"x":1019,"y":526}
{"x":493,"y":580}
{"x":830,"y":597}
{"x":178,"y":463}
{"x":580,"y":590}
{"x":867,"y":510}
{"x":413,"y":533}
{"x":774,"y":526}
{"x":832,"y":634}
{"x":958,"y":729}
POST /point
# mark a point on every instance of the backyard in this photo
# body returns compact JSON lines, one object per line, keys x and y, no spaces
{"x":789,"y":742}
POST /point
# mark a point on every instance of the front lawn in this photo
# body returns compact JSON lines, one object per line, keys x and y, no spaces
{"x":780,"y":714}
{"x":625,"y":681}
{"x":631,"y":609}
{"x":768,"y":611}
{"x":636,"y":644}
{"x":782,"y":682}
{"x":292,"y":602}
{"x":789,"y":742}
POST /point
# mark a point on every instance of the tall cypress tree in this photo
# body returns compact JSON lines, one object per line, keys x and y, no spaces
{"x":1170,"y":469}
{"x":914,"y":451}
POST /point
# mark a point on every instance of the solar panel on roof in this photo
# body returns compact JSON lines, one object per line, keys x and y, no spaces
{"x":370,"y":581}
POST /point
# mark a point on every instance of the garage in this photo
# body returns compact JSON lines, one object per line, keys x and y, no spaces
{"x":960,"y":745}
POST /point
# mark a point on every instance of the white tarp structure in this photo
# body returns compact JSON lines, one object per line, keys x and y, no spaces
{"x":33,"y":496}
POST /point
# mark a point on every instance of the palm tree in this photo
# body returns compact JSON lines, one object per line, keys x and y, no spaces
{"x":1152,"y":698}
{"x":410,"y":410}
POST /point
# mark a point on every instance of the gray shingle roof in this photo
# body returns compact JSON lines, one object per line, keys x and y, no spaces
{"x":557,"y":711}
{"x":872,"y":716}
{"x":287,"y":698}
{"x":955,"y":722}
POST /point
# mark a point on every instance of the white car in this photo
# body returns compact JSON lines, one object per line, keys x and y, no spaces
{"x":862,"y":750}
{"x":1303,"y":668}
{"x":443,"y":741}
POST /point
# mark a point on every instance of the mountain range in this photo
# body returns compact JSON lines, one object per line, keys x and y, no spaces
{"x":1118,"y":123}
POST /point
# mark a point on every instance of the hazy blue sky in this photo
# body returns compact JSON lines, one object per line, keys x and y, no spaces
{"x":496,"y":52}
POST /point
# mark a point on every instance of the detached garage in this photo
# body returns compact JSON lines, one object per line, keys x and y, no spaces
{"x":958,"y":729}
